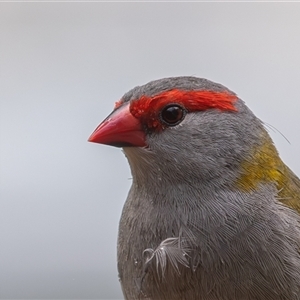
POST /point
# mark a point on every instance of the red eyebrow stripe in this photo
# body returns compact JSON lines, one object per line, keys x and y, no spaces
{"x":191,"y":100}
{"x":148,"y":108}
{"x":201,"y":100}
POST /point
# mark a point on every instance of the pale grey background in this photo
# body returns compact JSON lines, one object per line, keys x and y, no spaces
{"x":63,"y":65}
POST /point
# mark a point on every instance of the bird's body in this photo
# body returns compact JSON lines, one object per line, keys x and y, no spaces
{"x":213,"y":212}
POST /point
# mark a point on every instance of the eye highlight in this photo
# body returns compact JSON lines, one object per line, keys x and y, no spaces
{"x":172,"y":114}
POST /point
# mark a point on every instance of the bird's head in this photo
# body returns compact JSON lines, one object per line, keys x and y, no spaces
{"x":182,"y":129}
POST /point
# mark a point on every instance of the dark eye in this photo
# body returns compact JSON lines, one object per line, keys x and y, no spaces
{"x":172,"y":114}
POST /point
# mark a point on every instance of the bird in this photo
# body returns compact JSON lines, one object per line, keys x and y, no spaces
{"x":213,"y":213}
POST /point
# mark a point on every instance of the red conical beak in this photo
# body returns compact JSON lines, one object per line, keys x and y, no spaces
{"x":120,"y":129}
